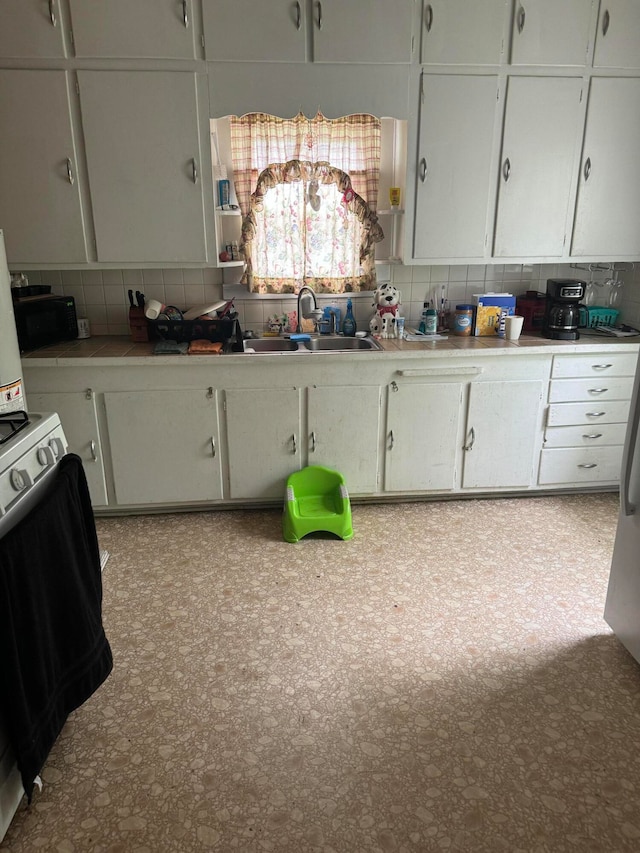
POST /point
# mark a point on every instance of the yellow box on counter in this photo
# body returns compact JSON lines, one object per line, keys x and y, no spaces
{"x":487,"y":320}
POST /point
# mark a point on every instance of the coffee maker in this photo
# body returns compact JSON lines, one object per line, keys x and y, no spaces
{"x":562,"y":309}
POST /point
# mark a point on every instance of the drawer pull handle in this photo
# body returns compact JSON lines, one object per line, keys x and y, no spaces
{"x":298,"y":12}
{"x":598,"y":390}
{"x":52,"y":14}
{"x":391,"y":440}
{"x":185,"y":13}
{"x":592,"y":435}
{"x":92,"y":447}
{"x":601,"y":366}
{"x":606,"y":20}
{"x":294,"y":444}
{"x":313,"y":442}
{"x":595,"y":414}
{"x":521,"y":18}
{"x":588,"y":465}
{"x":213,"y":447}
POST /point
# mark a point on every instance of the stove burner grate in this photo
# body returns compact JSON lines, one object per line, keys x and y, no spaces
{"x":11,"y":423}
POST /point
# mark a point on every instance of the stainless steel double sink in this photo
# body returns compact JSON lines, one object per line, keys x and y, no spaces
{"x":316,"y":343}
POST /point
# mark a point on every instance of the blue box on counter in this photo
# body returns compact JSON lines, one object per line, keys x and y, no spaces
{"x":505,"y":302}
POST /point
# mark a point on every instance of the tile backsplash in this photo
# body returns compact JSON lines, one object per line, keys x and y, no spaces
{"x":101,"y":295}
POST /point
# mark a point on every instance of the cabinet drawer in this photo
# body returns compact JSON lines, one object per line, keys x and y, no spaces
{"x":595,"y":465}
{"x":605,"y":364}
{"x":584,"y":435}
{"x":594,"y":412}
{"x":596,"y":388}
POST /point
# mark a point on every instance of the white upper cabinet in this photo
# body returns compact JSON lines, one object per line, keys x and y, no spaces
{"x":243,"y":30}
{"x":618,"y":35}
{"x":537,"y":166}
{"x":142,"y":29}
{"x":40,"y":207}
{"x":373,"y":31}
{"x":457,"y":120}
{"x":608,"y":208}
{"x":551,"y":32}
{"x":364,"y":31}
{"x":30,"y":28}
{"x":457,"y":32}
{"x":141,"y":131}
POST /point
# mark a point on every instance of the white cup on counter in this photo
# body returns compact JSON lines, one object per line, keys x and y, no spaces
{"x":513,"y":326}
{"x":84,"y":329}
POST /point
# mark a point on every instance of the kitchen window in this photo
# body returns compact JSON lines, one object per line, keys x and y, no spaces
{"x":307,"y":190}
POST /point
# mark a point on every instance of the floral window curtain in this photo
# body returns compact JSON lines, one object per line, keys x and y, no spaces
{"x":338,"y":163}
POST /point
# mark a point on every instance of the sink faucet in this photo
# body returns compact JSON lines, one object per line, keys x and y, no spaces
{"x":306,"y":295}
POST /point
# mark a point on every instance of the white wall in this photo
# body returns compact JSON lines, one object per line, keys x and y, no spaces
{"x":101,"y":295}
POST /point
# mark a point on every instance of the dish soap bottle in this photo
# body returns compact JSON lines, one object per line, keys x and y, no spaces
{"x":349,"y":322}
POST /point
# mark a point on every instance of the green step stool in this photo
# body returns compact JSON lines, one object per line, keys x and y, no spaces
{"x":316,"y":499}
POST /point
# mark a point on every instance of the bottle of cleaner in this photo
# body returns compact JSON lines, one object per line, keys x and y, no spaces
{"x":431,"y":322}
{"x":423,"y":319}
{"x":349,"y":322}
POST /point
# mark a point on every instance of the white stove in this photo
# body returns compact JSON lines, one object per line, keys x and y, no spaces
{"x":31,"y":445}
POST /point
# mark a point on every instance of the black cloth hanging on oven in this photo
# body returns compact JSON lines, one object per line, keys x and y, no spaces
{"x":53,"y":650}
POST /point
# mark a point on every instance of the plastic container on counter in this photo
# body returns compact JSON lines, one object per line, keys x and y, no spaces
{"x":463,"y":320}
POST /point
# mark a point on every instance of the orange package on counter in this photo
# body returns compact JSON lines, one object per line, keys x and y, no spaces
{"x":204,"y":347}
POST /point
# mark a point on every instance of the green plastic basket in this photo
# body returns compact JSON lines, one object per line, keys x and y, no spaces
{"x":595,"y":315}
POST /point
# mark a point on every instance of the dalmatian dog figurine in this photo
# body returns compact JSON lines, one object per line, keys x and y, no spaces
{"x":387,"y":301}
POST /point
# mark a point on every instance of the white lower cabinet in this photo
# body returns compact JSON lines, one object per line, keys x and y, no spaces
{"x":422,"y":436}
{"x":503,"y":428}
{"x":264,"y":440}
{"x":165,"y":446}
{"x":78,"y":415}
{"x":343,"y":427}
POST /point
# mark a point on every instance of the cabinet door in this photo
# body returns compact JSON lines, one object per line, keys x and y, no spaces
{"x":422,"y":436}
{"x":39,"y":199}
{"x":457,"y":121}
{"x":551,"y":32}
{"x":141,"y":131}
{"x":77,"y":411}
{"x":503,"y":433}
{"x":133,"y":28}
{"x":608,"y":209}
{"x":243,"y":30}
{"x":30,"y":28}
{"x":165,"y":446}
{"x":618,"y":35}
{"x":343,"y":433}
{"x":263,"y":434}
{"x":365,"y":31}
{"x":537,"y":165}
{"x":456,"y":32}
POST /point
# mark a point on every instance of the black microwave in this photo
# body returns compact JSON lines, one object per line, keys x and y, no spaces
{"x":45,"y":320}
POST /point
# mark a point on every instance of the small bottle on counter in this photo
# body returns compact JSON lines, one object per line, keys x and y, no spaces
{"x":431,"y":322}
{"x":423,"y":319}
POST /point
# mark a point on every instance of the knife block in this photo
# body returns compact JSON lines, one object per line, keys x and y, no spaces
{"x":138,"y":325}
